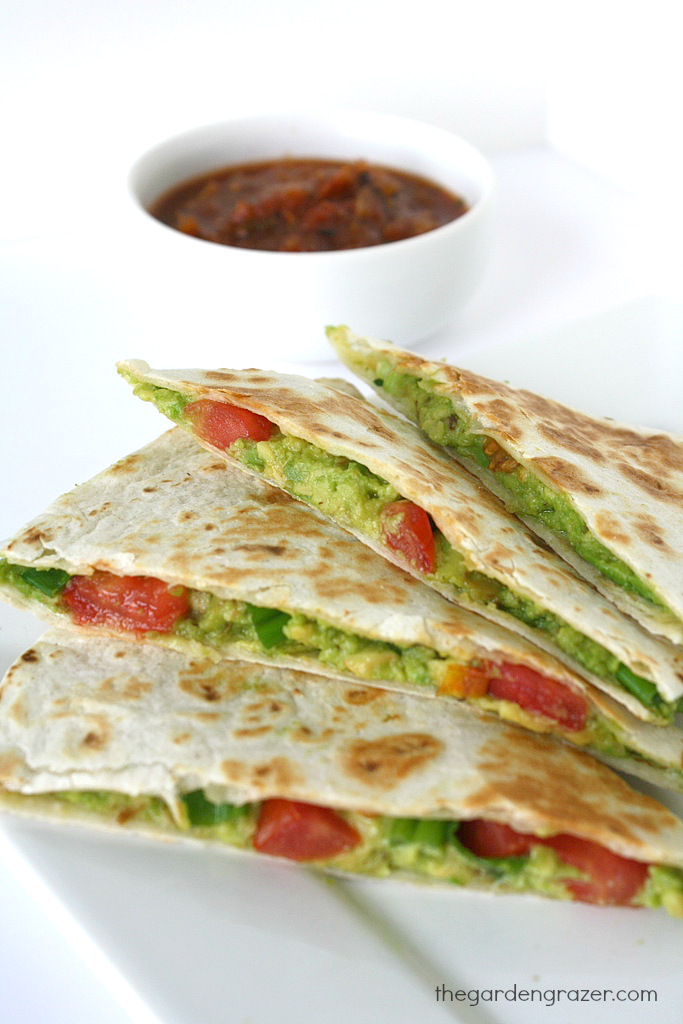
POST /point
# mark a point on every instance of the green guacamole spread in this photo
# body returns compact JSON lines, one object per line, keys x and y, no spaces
{"x":527,"y":495}
{"x":353,"y":496}
{"x":417,"y":846}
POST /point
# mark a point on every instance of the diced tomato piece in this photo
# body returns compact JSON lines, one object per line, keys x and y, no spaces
{"x":612,"y":879}
{"x":464,"y":681}
{"x":540,"y":694}
{"x":220,"y":423}
{"x":137,"y":604}
{"x":298,"y":831}
{"x":491,"y":839}
{"x":406,"y":528}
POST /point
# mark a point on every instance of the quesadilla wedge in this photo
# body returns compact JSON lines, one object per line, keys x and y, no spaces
{"x":234,"y":568}
{"x":138,"y":737}
{"x":377,"y":476}
{"x":607,"y":497}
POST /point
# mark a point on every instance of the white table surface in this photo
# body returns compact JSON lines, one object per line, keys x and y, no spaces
{"x":568,"y":245}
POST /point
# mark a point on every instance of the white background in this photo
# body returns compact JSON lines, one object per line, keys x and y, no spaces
{"x":577,"y":105}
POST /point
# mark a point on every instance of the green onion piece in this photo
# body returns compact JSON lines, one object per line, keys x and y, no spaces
{"x":48,"y":581}
{"x":424,"y":831}
{"x":201,"y":811}
{"x":402,"y":830}
{"x":643,"y":689}
{"x":431,"y":833}
{"x":269,"y":624}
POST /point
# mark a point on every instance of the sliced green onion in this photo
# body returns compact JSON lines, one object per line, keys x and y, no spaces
{"x":430,"y":832}
{"x":643,"y":689}
{"x":424,"y":831}
{"x":48,"y":581}
{"x":201,"y":811}
{"x":402,"y":830}
{"x":269,"y":624}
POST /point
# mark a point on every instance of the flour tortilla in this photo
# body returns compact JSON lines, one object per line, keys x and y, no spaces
{"x":625,"y":482}
{"x":473,"y":521}
{"x":151,"y":514}
{"x":98,"y":714}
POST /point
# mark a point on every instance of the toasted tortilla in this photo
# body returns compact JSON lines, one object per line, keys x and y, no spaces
{"x":492,"y":541}
{"x":151,"y":515}
{"x":625,"y":482}
{"x":93,"y":715}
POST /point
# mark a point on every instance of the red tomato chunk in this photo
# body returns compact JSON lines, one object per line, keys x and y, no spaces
{"x":220,"y":423}
{"x":612,"y":879}
{"x":406,"y":528}
{"x":298,"y":831}
{"x":137,"y":604}
{"x":539,"y":694}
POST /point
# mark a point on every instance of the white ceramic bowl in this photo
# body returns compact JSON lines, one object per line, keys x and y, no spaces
{"x":218,"y":304}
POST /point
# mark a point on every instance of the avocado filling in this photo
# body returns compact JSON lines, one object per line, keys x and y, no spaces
{"x":353,"y":496}
{"x":421,"y":847}
{"x":527,"y":495}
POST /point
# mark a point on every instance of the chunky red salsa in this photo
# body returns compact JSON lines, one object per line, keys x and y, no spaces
{"x":307,"y":205}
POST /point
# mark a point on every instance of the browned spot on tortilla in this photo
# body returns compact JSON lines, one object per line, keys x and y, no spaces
{"x":181,"y":737}
{"x":303,"y":734}
{"x":148,"y":490}
{"x":609,"y":529}
{"x":384,"y":762}
{"x":206,"y":689}
{"x":97,"y":735}
{"x":10,"y":765}
{"x":498,"y":409}
{"x":136,"y":688}
{"x":651,"y":482}
{"x":213,"y":685}
{"x":187,"y":515}
{"x":127,"y":465}
{"x":123,"y":687}
{"x":563,"y":787}
{"x":276,"y":496}
{"x":261,"y":549}
{"x":648,"y":530}
{"x":207,"y":716}
{"x":18,"y":711}
{"x":209,"y":526}
{"x":266,"y":708}
{"x":567,"y":474}
{"x":362,"y":695}
{"x":467,"y":517}
{"x":265,"y":704}
{"x":234,"y":771}
{"x":256,"y":730}
{"x":278,"y":775}
{"x":501,"y":558}
{"x":31,"y":656}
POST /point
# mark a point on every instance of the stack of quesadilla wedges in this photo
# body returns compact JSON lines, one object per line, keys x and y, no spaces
{"x":380,"y":478}
{"x":228,"y":663}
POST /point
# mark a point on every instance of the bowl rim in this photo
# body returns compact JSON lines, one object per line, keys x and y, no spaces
{"x":330,"y":119}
